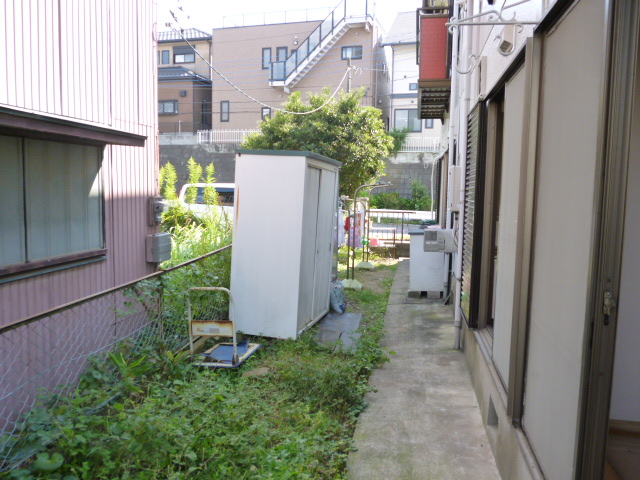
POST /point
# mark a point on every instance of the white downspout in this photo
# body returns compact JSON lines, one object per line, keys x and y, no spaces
{"x":461,"y":134}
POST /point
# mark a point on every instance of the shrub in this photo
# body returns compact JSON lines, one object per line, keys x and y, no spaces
{"x":391,"y":201}
{"x":420,"y":199}
{"x":420,"y":196}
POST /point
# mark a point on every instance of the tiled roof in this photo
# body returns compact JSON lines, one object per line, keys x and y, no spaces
{"x":190,"y":34}
{"x":178,"y":72}
{"x":403,"y":29}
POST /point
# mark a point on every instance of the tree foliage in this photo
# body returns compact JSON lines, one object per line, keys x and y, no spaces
{"x":343,"y":130}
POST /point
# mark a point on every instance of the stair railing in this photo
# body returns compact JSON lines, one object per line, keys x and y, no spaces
{"x":282,"y":69}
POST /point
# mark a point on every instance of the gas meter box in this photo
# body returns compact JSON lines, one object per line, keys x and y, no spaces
{"x":439,"y":240}
{"x":158,"y":247}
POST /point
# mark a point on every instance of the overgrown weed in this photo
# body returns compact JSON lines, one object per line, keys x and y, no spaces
{"x":152,"y":415}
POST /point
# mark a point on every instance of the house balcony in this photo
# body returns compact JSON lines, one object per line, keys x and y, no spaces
{"x":421,"y":144}
{"x":434,"y":54}
{"x":235,"y":137}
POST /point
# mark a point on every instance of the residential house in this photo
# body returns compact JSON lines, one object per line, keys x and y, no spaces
{"x":263,"y":64}
{"x":184,"y":81}
{"x":421,"y":150}
{"x":403,"y":114}
{"x":542,"y":103}
{"x":78,"y":165}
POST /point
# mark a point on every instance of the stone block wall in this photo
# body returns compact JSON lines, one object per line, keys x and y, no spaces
{"x":402,"y":169}
{"x":204,"y":154}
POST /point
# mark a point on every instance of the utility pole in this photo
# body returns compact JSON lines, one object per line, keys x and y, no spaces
{"x":349,"y":77}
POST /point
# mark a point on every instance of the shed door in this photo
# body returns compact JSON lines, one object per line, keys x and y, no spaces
{"x":324,"y":243}
{"x":309,"y":238}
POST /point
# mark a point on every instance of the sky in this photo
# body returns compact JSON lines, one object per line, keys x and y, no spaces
{"x":208,"y":14}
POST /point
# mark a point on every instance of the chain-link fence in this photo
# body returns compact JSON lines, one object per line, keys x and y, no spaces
{"x":44,"y":357}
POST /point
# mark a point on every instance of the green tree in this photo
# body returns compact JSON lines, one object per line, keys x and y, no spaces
{"x":420,"y":195}
{"x":399,"y":137}
{"x":342,"y":129}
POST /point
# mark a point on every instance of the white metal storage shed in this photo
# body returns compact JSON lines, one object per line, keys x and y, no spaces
{"x":285,"y":216}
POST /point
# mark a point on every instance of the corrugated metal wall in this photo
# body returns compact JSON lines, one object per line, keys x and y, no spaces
{"x":93,"y":62}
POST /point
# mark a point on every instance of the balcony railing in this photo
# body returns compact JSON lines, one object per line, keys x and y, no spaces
{"x":421,"y":144}
{"x":281,"y":70}
{"x":224,"y":136}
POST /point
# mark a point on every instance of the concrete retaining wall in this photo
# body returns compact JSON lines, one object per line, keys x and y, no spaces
{"x":400,"y":170}
{"x":222,"y":156}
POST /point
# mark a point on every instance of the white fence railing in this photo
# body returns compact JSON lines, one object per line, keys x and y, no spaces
{"x":411,"y":144}
{"x":421,"y":144}
{"x":223,"y":136}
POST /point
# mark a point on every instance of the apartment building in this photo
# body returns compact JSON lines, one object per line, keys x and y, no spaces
{"x":403,"y":98}
{"x":541,"y":100}
{"x":268,"y":62}
{"x":184,"y":81}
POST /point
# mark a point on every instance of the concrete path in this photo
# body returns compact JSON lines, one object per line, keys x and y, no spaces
{"x":423,"y":422}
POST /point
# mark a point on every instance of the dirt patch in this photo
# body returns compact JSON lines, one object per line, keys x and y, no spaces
{"x":377,"y":279}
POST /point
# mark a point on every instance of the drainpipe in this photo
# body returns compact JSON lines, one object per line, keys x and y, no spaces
{"x":460,"y":114}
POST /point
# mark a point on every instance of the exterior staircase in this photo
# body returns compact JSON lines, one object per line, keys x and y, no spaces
{"x":289,"y":72}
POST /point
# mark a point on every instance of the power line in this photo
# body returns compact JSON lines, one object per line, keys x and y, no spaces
{"x":246,"y":94}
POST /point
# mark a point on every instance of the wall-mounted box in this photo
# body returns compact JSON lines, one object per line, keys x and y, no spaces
{"x":158,"y":247}
{"x":455,"y":187}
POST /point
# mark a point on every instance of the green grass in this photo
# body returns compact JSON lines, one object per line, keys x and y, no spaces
{"x":161,"y":418}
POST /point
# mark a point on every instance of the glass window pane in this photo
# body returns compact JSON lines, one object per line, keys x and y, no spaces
{"x":281,"y":54}
{"x":415,"y":123}
{"x":224,"y":111}
{"x":408,"y":119}
{"x":266,"y":58}
{"x":12,"y":200}
{"x":64,"y":198}
{"x":165,"y":57}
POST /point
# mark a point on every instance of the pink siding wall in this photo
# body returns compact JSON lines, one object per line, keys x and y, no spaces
{"x":94,"y":62}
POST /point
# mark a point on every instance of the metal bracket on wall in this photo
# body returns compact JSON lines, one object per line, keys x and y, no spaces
{"x":492,"y":17}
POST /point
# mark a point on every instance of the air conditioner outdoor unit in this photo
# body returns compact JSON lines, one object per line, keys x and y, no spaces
{"x":439,"y":240}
